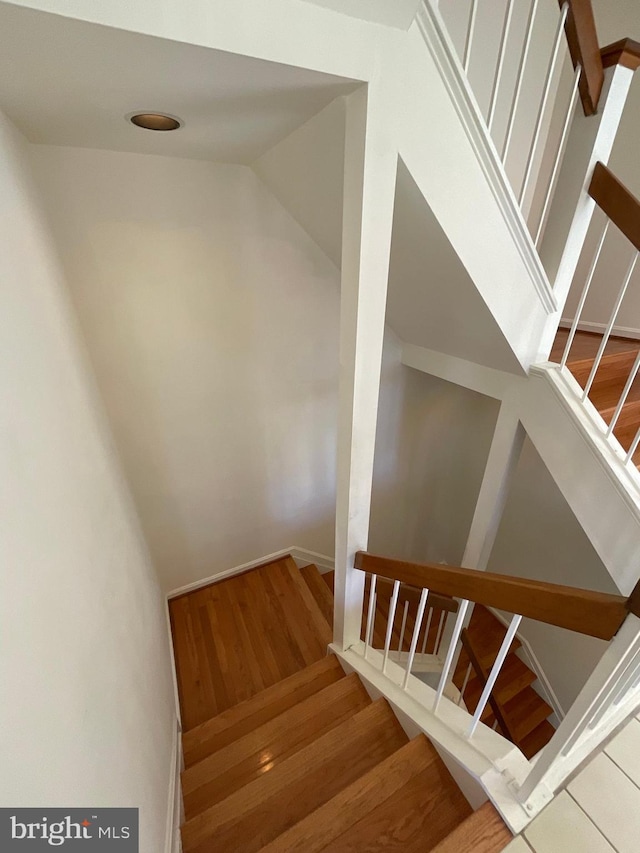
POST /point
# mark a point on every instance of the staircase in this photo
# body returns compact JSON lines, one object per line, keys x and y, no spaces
{"x":309,"y":762}
{"x":611,"y":376}
{"x":522,"y":708}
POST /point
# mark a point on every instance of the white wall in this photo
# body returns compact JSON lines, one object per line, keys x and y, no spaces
{"x":305,"y":172}
{"x":212,"y":322}
{"x":87,"y":712}
{"x":539,"y":537}
{"x":432,"y":445}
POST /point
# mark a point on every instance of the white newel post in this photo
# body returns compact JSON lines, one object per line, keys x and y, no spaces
{"x":597,"y":710}
{"x":369,"y":188}
{"x":590,"y":140}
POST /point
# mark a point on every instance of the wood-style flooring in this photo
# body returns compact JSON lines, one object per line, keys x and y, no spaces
{"x":298,"y":756}
{"x":237,"y":637}
{"x":609,"y":381}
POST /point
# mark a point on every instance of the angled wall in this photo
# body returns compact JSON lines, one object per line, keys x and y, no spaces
{"x":87,"y":714}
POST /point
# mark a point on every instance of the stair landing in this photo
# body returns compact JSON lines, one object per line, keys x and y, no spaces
{"x":233,"y":639}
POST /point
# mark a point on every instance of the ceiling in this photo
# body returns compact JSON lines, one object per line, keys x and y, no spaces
{"x":69,"y":82}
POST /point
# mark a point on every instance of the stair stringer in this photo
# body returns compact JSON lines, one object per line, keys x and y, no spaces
{"x":603,"y":492}
{"x":458,"y":171}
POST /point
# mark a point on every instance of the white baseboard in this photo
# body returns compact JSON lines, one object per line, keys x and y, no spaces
{"x":302,"y":556}
{"x":585,"y":326}
{"x":173,"y":841}
{"x":534,"y":663}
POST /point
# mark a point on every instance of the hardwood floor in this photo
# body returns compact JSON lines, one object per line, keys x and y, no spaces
{"x":237,"y":637}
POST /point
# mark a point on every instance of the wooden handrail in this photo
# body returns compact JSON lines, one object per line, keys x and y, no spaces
{"x":621,"y":206}
{"x":582,"y":37}
{"x":482,"y":676}
{"x":625,"y":52}
{"x":597,"y":614}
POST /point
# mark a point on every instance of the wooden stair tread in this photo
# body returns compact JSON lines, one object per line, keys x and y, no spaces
{"x":260,"y":751}
{"x":486,"y":651}
{"x":320,"y":591}
{"x":613,"y":366}
{"x":537,"y":739}
{"x":628,"y":419}
{"x":606,"y":395}
{"x":525,"y":712}
{"x":482,"y":832}
{"x":253,"y":816}
{"x":320,"y":829}
{"x":625,"y":436}
{"x":237,"y":721}
{"x":585,"y":345}
{"x":313,"y":612}
{"x":329,"y":579}
{"x":413,"y":819}
{"x":514,"y":677}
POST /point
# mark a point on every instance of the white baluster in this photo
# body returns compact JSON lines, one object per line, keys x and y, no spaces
{"x":583,"y":295}
{"x":470,"y":31}
{"x":625,"y":394}
{"x":404,"y":625}
{"x":610,"y":324}
{"x":368,"y":633}
{"x":495,"y":672}
{"x":629,"y":684}
{"x":495,"y":725}
{"x":543,"y":103}
{"x":633,"y":448}
{"x":496,"y":80}
{"x":560,"y":152}
{"x":457,"y":628}
{"x":617,"y":691}
{"x":414,"y":638}
{"x":439,"y":634}
{"x":375,"y":613}
{"x":467,"y":676}
{"x":426,"y":630}
{"x":519,"y":79}
{"x":390,"y":620}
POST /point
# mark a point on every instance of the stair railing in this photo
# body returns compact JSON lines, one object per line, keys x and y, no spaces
{"x":475,"y":665}
{"x":611,"y":693}
{"x":545,"y":143}
{"x":622,"y":210}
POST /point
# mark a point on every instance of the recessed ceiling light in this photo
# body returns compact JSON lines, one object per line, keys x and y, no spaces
{"x":155,"y":121}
